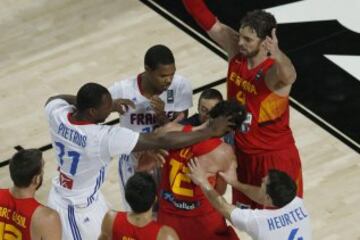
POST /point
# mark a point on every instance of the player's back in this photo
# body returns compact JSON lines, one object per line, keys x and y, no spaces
{"x":83,"y":150}
{"x":178,"y":194}
{"x":15,"y":216}
{"x":123,"y":229}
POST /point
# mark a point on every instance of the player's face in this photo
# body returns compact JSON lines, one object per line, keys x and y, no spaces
{"x":205,"y":105}
{"x":249,"y":43}
{"x":161,"y":77}
{"x":104,"y":110}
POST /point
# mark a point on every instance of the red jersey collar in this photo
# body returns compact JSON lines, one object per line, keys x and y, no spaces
{"x":76,"y":122}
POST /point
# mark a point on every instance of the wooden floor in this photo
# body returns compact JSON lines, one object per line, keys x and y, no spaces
{"x":52,"y":47}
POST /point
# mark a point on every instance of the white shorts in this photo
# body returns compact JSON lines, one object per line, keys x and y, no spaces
{"x":79,"y":223}
{"x":126,"y":169}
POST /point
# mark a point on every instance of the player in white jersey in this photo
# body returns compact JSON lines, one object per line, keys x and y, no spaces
{"x":286,"y":217}
{"x":84,"y":148}
{"x":158,"y":95}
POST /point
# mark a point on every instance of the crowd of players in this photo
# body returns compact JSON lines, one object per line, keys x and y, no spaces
{"x":173,"y":169}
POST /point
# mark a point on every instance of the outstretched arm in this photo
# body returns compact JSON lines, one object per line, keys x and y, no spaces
{"x":223,"y":35}
{"x":173,"y":140}
{"x":198,"y":176}
{"x":252,"y":192}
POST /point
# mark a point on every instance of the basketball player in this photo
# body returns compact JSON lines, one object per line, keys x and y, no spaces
{"x":84,"y":148}
{"x":140,"y":193}
{"x":21,"y":216}
{"x":286,"y":217}
{"x":182,"y":204}
{"x":260,"y":76}
{"x":158,"y":95}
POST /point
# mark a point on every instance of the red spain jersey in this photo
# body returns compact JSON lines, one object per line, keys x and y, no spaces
{"x":269,"y":129}
{"x":178,"y":194}
{"x":15,"y":216}
{"x":124,"y":230}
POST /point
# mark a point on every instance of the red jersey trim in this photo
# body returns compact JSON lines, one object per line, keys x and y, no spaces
{"x":138,"y":79}
{"x":76,"y":122}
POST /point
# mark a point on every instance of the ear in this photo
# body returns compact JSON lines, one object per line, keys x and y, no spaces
{"x":36,"y":180}
{"x":147,"y":68}
{"x":92,"y":112}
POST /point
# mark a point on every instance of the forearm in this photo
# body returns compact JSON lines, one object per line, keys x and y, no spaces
{"x":171,"y":140}
{"x":217,"y":201}
{"x":71,"y":99}
{"x":250,"y":191}
{"x":284,"y":68}
{"x":198,"y":10}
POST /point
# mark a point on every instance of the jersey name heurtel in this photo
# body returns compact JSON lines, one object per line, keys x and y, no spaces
{"x":289,"y":218}
{"x":72,"y":135}
{"x":147,"y":118}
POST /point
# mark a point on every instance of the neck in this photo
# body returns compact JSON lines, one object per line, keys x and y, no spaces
{"x":140,"y":219}
{"x":80,"y":116}
{"x":257,"y":59}
{"x":17,"y":192}
{"x":147,"y":89}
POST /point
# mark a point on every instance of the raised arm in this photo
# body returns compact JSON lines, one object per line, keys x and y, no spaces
{"x":282,"y":74}
{"x":223,"y":35}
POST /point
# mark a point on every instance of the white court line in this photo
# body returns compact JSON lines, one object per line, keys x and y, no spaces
{"x":291,"y":99}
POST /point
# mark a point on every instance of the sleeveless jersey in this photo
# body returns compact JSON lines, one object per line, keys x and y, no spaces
{"x":178,"y":194}
{"x":124,"y":230}
{"x":83,"y":152}
{"x":15,"y":216}
{"x":177,"y":98}
{"x":269,"y":129}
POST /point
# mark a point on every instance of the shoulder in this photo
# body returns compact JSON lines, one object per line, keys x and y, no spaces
{"x":109,"y":217}
{"x":121,"y":85}
{"x":54,"y":104}
{"x":179,"y":80}
{"x":45,"y":216}
{"x":167,"y":233}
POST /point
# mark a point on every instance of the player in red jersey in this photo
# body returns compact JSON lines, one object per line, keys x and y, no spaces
{"x":140,"y":193}
{"x":21,"y":216}
{"x":260,"y":76}
{"x":182,"y":204}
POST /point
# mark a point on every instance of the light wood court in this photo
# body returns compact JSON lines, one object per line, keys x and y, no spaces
{"x":53,"y":47}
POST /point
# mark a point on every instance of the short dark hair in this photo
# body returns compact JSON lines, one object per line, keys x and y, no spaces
{"x":24,"y":166}
{"x":229,"y":108}
{"x":281,"y":188}
{"x":90,"y":95}
{"x":158,"y":54}
{"x":259,"y":20}
{"x":140,"y":192}
{"x":211,"y":93}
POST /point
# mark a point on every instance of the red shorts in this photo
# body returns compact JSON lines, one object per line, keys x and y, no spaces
{"x":252,"y":168}
{"x":210,"y":226}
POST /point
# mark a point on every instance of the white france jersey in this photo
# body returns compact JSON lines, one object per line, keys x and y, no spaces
{"x":291,"y":222}
{"x":84,"y":150}
{"x":177,"y":98}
